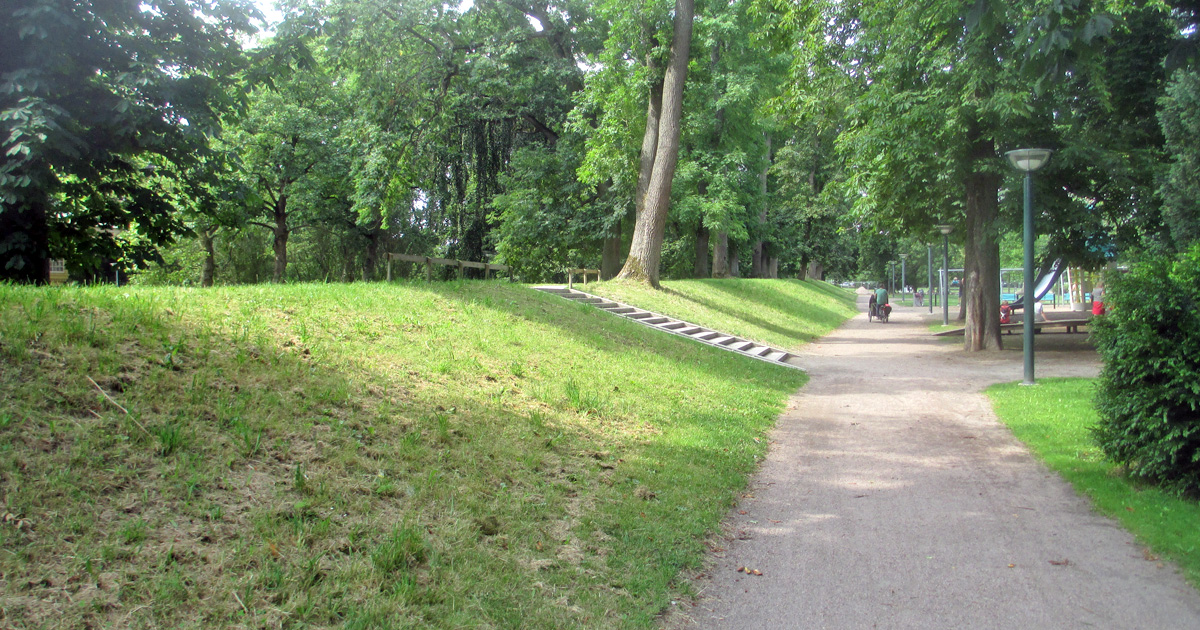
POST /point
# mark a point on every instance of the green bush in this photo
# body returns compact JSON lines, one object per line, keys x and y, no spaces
{"x":1149,"y":392}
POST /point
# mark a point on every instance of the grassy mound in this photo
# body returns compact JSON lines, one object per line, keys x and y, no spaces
{"x":782,"y":313}
{"x":362,"y":456}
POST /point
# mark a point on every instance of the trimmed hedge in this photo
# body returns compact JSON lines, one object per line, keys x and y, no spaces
{"x":1149,"y":390}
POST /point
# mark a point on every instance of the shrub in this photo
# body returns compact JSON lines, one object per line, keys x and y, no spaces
{"x":1149,"y":391}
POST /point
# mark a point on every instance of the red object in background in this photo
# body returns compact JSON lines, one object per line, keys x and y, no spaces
{"x":1097,"y":307}
{"x":1005,"y":313}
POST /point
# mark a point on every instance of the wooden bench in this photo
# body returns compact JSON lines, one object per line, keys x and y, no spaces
{"x":1071,"y":326}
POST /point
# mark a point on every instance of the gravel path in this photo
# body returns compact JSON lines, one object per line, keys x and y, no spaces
{"x":893,"y":498}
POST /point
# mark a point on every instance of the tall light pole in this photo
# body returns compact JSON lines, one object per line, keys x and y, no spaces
{"x":945,"y":230}
{"x":930,"y":268}
{"x":903,"y":279}
{"x":893,"y":286}
{"x":1027,"y":161}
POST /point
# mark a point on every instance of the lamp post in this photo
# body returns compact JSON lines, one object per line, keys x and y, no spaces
{"x":945,"y":230}
{"x":892,"y":290}
{"x":903,"y":279}
{"x":929,"y":266}
{"x":1027,"y":161}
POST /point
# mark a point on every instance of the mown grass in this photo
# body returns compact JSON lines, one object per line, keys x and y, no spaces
{"x":1054,"y":419}
{"x":782,"y":313}
{"x":362,"y":456}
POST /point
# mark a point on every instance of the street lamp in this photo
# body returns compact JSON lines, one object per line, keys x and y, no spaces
{"x":945,"y":230}
{"x":929,"y":267}
{"x":903,"y":279}
{"x":1027,"y":161}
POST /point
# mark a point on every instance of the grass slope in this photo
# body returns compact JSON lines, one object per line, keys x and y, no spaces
{"x":782,"y":313}
{"x":1054,"y":419}
{"x":360,"y":456}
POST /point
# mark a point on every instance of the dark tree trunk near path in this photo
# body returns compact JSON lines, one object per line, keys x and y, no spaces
{"x":760,"y":257}
{"x":982,"y":269}
{"x":208,"y":268}
{"x":700,"y":269}
{"x":645,"y":252}
{"x":720,"y":266}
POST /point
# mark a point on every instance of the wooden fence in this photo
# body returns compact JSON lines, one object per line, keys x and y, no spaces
{"x":429,"y":262}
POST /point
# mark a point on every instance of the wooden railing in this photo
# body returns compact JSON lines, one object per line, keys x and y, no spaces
{"x":430,"y":261}
{"x":583,"y":272}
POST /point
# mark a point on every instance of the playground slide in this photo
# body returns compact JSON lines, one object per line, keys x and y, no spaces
{"x":1045,"y":282}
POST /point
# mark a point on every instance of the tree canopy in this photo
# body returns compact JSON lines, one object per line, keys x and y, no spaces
{"x":824,"y":135}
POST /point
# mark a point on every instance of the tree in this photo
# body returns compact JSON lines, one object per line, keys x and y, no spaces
{"x":1180,"y":190}
{"x":645,"y":252}
{"x":99,"y":103}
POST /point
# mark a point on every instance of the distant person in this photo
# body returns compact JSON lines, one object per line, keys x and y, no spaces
{"x":881,"y":296}
{"x":918,"y":297}
{"x":1039,"y":313}
{"x":1005,"y":312}
{"x":1098,"y":300}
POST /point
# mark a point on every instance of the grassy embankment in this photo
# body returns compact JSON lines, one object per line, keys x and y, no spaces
{"x":783,"y":313}
{"x":361,"y":456}
{"x":1054,"y":419}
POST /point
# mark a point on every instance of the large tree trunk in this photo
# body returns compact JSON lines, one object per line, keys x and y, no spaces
{"x":645,"y":253}
{"x":700,"y":270}
{"x":25,"y":241}
{"x":773,"y":267}
{"x":720,"y":266}
{"x":208,"y":268}
{"x":734,"y":261}
{"x":649,"y":149}
{"x":760,"y":258}
{"x":281,"y":238}
{"x":982,"y":267}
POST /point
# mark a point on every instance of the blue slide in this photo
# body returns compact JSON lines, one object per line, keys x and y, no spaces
{"x":1045,"y":282}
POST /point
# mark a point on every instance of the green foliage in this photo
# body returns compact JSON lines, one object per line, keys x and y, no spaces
{"x":1179,"y":115}
{"x":105,"y":107}
{"x":1149,"y":395}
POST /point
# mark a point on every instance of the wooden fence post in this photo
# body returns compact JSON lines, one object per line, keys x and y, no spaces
{"x":428,"y":270}
{"x":389,"y":268}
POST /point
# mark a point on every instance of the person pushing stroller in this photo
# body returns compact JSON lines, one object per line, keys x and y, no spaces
{"x":878,"y":305}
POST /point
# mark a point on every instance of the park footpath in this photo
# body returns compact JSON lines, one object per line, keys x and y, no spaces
{"x":893,"y":498}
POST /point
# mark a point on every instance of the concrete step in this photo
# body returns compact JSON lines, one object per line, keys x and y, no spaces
{"x":699,"y":333}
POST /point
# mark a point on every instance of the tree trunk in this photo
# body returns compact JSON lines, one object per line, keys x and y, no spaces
{"x":610,"y":257}
{"x":700,"y":270}
{"x":734,"y":261}
{"x":649,"y":149}
{"x":208,"y":268}
{"x":25,"y":241}
{"x":720,"y":266}
{"x":760,"y":257}
{"x":645,"y":252}
{"x":281,"y":238}
{"x":773,"y":267}
{"x":982,"y":266}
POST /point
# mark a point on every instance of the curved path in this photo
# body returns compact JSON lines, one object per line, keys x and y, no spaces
{"x":893,"y":498}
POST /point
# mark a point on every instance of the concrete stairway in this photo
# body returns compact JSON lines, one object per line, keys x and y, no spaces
{"x":703,"y":335}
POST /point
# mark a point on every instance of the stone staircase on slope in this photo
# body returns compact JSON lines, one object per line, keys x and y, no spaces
{"x":679,"y":327}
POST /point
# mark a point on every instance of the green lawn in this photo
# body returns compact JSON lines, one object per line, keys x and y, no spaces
{"x":1053,"y":418}
{"x":782,"y":313}
{"x":467,"y":454}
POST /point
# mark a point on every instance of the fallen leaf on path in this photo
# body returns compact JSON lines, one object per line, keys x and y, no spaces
{"x":1060,"y":563}
{"x":1012,"y":566}
{"x":774,"y":521}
